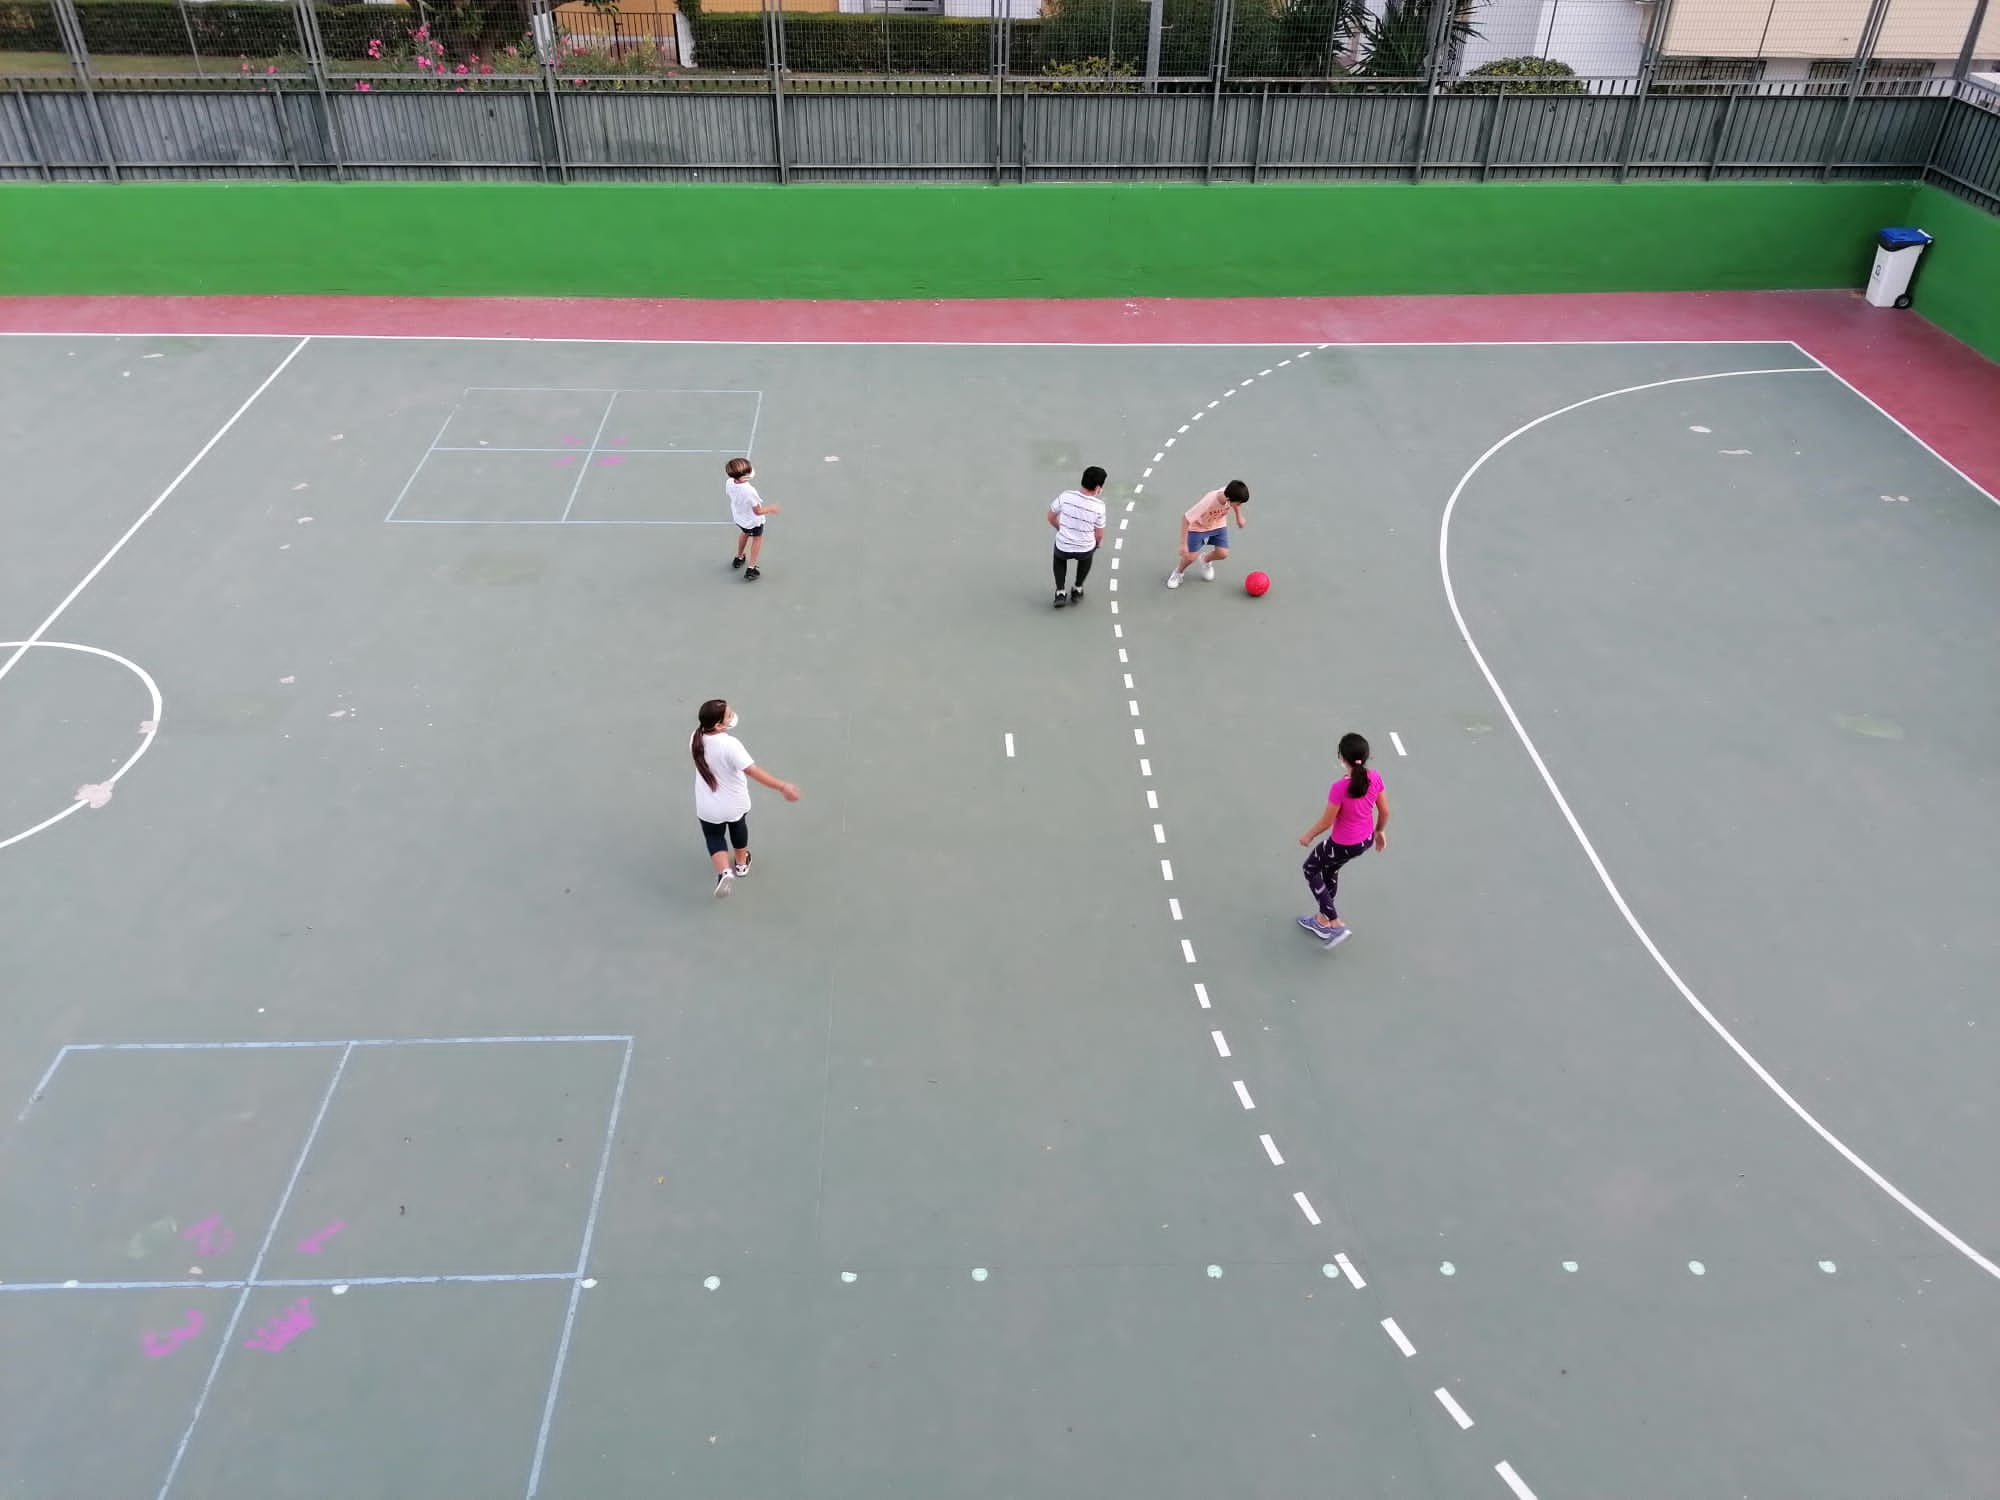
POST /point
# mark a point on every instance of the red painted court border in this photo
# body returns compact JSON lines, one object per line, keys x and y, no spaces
{"x":1941,"y":390}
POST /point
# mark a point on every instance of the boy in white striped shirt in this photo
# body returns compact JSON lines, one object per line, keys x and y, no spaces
{"x":1077,"y":517}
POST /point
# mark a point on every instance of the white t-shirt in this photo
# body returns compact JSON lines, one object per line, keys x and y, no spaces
{"x":728,"y":760}
{"x":1079,"y":518}
{"x":743,"y":503}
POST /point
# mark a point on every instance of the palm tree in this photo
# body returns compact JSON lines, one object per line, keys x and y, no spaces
{"x":1397,"y":43}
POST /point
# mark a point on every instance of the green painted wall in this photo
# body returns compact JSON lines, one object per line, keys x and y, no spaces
{"x":1085,"y":240}
{"x":1958,"y":286}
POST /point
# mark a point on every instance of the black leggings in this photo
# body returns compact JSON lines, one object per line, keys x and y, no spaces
{"x":721,"y":836}
{"x":1082,"y":561}
{"x":1322,"y":872}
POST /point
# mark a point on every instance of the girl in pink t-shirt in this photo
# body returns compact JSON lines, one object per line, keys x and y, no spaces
{"x":1356,"y":816}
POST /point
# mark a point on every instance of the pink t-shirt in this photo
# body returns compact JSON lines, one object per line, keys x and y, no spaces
{"x":1209,"y":513}
{"x":1355,"y":822}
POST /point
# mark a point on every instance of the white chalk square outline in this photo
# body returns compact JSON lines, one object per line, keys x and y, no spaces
{"x":252,"y":1281}
{"x":588,"y":454}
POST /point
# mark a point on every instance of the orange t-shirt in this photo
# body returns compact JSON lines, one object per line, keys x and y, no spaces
{"x":1209,"y":513}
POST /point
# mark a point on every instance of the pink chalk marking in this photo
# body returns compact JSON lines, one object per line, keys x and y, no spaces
{"x":96,"y":794}
{"x":612,"y":458}
{"x":313,"y":1243}
{"x":209,"y":1236}
{"x":618,"y":442}
{"x":564,"y":460}
{"x":574,"y":442}
{"x":282,"y":1329}
{"x":160,"y":1345}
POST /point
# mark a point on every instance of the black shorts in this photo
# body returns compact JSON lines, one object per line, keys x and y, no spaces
{"x":723,"y":836}
{"x":757,"y":530}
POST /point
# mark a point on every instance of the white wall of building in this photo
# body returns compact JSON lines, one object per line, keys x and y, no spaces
{"x":1603,"y":38}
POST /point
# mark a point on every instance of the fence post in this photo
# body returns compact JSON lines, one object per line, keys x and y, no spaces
{"x":774,"y":51}
{"x":1438,"y":21}
{"x":28,"y":130}
{"x":1857,"y":71}
{"x":314,"y":48}
{"x":1492,"y":131}
{"x":1000,"y":19}
{"x":1967,"y":52}
{"x":1721,"y":132}
{"x":79,"y":62}
{"x":1257,"y":140}
{"x":542,"y":27}
{"x":1218,"y":64}
{"x":187,"y":26}
{"x":284,"y":130}
{"x":1649,"y":67}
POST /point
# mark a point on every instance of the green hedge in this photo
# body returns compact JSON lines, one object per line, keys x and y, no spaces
{"x":253,"y":28}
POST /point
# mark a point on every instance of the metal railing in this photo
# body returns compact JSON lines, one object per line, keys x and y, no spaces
{"x":1205,"y":90}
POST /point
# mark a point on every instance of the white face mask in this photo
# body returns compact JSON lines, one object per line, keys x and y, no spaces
{"x":729,"y":724}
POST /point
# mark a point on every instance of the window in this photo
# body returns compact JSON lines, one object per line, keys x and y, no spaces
{"x":1706,"y":75}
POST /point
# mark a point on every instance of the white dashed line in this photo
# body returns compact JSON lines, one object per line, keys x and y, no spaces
{"x":1123,"y":522}
{"x":1271,"y":1150}
{"x":1457,"y":1412}
{"x":1199,"y":415}
{"x":1010,"y":747}
{"x":1213,"y":404}
{"x":1128,"y":681}
{"x":1114,"y":602}
{"x":1157,"y":457}
{"x":1159,"y":833}
{"x":1145,"y":766}
{"x":1397,"y":740}
{"x":1118,"y":632}
{"x":1152,"y":799}
{"x":1174,"y":907}
{"x":1262,"y":373}
{"x":1133,"y":705}
{"x":1166,"y":869}
{"x":1138,"y":735}
{"x":1170,"y":442}
{"x":1305,"y":1207}
{"x":1184,"y":427}
{"x":1402,"y":1340}
{"x":1187,"y":950}
{"x":1242,"y":1093}
{"x":1201,"y":996}
{"x":1506,"y":1471}
{"x":1282,"y":363}
{"x":1114,"y":547}
{"x":1240,"y":384}
{"x":1114,"y":589}
{"x":1221,"y":1046}
{"x":1121,"y":654}
{"x":1347,"y":1270}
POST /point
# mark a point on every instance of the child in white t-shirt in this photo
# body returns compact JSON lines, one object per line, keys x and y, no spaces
{"x":723,"y":771}
{"x":747,"y":509}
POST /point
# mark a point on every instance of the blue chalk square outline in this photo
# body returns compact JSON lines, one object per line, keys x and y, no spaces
{"x":252,"y":1282}
{"x":586,"y":455}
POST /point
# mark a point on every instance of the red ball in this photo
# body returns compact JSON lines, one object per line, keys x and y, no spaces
{"x":1257,"y":585}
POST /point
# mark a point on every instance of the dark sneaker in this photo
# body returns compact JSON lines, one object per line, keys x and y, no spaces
{"x":750,"y":573}
{"x":735,"y":562}
{"x":742,"y":867}
{"x":1076,"y":594}
{"x":1062,"y":597}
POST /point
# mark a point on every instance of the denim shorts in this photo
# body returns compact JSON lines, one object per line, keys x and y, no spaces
{"x":1200,"y":539}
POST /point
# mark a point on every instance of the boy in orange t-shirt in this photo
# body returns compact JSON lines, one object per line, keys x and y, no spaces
{"x":1205,"y":530}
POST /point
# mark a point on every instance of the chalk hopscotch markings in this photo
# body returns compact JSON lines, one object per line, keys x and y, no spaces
{"x":1304,"y":1203}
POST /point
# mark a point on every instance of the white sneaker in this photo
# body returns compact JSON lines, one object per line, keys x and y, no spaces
{"x":1208,"y":571}
{"x":1174,"y":579}
{"x":724,"y":883}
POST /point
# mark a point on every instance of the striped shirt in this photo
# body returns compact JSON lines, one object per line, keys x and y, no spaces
{"x":1079,"y":517}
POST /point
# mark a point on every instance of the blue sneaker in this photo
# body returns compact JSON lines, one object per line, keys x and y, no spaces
{"x":1338,"y":936}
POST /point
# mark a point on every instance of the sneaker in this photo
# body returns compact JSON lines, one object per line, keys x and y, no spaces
{"x":723,"y":882}
{"x":1062,"y":597}
{"x":750,"y":573}
{"x":1174,"y":579}
{"x":1208,"y":571}
{"x":1330,"y":937}
{"x":735,"y":562}
{"x":743,"y":868}
{"x":1338,"y":936}
{"x":1076,"y":594}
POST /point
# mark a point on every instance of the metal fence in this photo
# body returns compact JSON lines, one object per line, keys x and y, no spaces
{"x":1002,"y":90}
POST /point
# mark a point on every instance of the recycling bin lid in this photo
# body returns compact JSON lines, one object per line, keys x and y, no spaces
{"x":1901,"y":239}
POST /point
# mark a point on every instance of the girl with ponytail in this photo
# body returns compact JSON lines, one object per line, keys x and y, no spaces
{"x":723,"y":771}
{"x":1356,"y":818}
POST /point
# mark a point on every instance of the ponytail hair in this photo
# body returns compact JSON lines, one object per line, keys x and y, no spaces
{"x":710,"y":719}
{"x":1354,"y":750}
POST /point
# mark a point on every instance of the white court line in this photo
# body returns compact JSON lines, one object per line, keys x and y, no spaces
{"x":1401,"y":1339}
{"x":1166,"y":869}
{"x":1010,"y":747}
{"x":1128,"y":681}
{"x":530,"y":338}
{"x":1305,"y":1207}
{"x":1397,"y":740}
{"x":1174,"y":907}
{"x":1457,"y":1412}
{"x":1121,"y":654}
{"x":582,"y":1265}
{"x":1976,"y":485}
{"x":1506,"y":1471}
{"x":1347,"y":1270}
{"x":1764,"y":1074}
{"x":1221,"y":1044}
{"x":1133,"y":705}
{"x":1159,"y":833}
{"x":755,"y":417}
{"x":277,"y":1216}
{"x":147,"y":515}
{"x":1187,"y":950}
{"x":145,"y":742}
{"x":1138,"y":735}
{"x":1152,"y":800}
{"x":410,"y":483}
{"x":1271,"y":1150}
{"x":1242,"y":1093}
{"x":1145,"y":766}
{"x":1201,"y":996}
{"x":583,"y":469}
